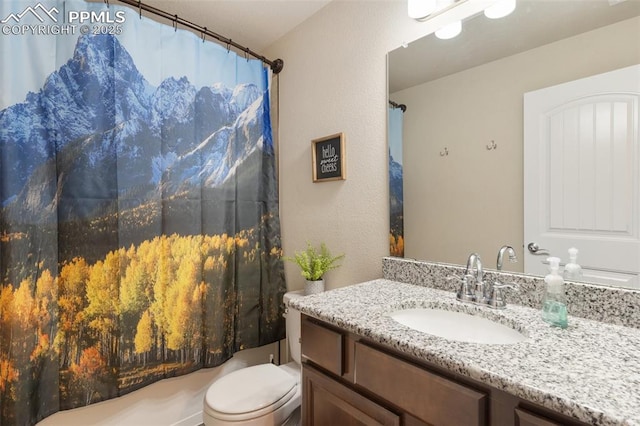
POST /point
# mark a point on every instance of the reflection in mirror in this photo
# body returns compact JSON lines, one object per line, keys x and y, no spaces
{"x":394,"y":137}
{"x":465,"y":97}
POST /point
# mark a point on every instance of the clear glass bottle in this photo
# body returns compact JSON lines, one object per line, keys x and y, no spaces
{"x":554,"y":305}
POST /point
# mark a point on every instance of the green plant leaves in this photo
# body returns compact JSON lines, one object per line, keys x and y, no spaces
{"x":315,"y":263}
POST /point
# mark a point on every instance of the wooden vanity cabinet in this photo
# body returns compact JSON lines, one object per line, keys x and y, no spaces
{"x":427,"y":396}
{"x":328,"y":402}
{"x":350,"y":381}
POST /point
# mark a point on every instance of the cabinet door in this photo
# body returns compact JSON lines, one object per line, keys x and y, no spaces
{"x":327,"y":403}
{"x":427,"y":396}
{"x":525,"y":418}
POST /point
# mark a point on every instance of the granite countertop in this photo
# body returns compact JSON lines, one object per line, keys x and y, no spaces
{"x":589,"y":371}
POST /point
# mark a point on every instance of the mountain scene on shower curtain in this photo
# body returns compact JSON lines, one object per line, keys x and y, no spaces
{"x":396,"y":208}
{"x":138,"y":236}
{"x":78,"y":111}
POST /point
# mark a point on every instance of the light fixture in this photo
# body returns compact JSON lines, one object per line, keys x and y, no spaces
{"x":500,"y":9}
{"x":449,"y":31}
{"x":420,"y":9}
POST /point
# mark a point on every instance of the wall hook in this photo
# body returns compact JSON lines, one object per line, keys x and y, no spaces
{"x":492,"y":145}
{"x":444,"y":153}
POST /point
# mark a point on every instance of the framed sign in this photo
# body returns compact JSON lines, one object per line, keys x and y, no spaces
{"x":328,"y":158}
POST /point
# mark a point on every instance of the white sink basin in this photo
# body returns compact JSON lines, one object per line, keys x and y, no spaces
{"x":457,"y":326}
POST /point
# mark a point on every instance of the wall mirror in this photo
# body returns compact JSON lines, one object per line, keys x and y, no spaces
{"x":463,"y":135}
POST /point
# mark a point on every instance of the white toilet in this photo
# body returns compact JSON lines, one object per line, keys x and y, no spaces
{"x":264,"y":394}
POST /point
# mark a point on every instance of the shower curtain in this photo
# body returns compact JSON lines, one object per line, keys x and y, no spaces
{"x":396,"y":207}
{"x":139,"y":229}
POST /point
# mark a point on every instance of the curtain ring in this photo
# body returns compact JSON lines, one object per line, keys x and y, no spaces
{"x":106,"y":2}
{"x":140,"y":8}
{"x":175,"y":23}
{"x":246,"y":54}
{"x":203,"y":33}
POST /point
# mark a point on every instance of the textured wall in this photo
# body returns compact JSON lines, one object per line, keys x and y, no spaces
{"x":334,"y":80}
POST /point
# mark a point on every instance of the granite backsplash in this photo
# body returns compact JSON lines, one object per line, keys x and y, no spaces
{"x":606,"y":304}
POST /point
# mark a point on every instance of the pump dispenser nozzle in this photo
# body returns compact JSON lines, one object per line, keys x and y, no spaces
{"x":573,"y":271}
{"x":554,"y":263}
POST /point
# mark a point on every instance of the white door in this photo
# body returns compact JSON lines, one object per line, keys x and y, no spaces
{"x":581,"y":176}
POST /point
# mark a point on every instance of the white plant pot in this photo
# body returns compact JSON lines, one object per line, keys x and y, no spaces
{"x":313,"y":287}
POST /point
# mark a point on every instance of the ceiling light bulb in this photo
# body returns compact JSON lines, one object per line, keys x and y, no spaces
{"x":420,"y":9}
{"x":500,"y":9}
{"x":449,"y":31}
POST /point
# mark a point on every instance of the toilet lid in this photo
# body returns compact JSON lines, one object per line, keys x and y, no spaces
{"x":249,"y":389}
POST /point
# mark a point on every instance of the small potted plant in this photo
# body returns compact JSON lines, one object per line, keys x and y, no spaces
{"x":313,"y":265}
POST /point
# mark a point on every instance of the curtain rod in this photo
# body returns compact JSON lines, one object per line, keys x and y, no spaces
{"x":276,"y":65}
{"x":403,"y":107}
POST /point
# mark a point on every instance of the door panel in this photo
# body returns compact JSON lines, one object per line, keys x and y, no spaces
{"x":581,"y":167}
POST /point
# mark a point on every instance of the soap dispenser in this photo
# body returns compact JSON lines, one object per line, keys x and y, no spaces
{"x":554,"y":305}
{"x":573,"y":271}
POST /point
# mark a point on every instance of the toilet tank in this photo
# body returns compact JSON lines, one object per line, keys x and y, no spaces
{"x":293,"y":325}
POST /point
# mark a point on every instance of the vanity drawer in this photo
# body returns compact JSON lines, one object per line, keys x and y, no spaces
{"x":429,"y":397}
{"x":323,"y":346}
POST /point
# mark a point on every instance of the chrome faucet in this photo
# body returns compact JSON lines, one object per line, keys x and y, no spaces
{"x":474,"y":260}
{"x":494,"y":290}
{"x":512,"y":256}
{"x":473,"y":289}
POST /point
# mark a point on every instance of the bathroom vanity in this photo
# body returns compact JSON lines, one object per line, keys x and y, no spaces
{"x":360,"y":366}
{"x":393,"y":389}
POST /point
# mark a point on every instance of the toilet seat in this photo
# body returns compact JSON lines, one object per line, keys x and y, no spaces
{"x":250,"y":392}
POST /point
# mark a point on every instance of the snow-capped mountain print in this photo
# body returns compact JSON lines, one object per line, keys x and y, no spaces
{"x":139,"y":228}
{"x":396,"y":198}
{"x":107,"y":133}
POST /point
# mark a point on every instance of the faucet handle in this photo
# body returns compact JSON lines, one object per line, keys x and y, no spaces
{"x":496,"y":299}
{"x":498,"y":285}
{"x":466,"y":293}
